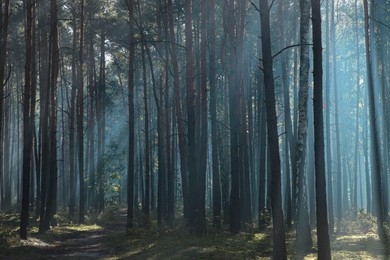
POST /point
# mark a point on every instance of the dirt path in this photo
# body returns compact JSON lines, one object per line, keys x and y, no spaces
{"x":81,"y":245}
{"x":86,"y":244}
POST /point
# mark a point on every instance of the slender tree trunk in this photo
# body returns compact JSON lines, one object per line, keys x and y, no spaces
{"x":80,"y":116}
{"x":339,"y":191}
{"x":375,"y":158}
{"x":100,"y":111}
{"x":279,"y":242}
{"x":72,"y":117}
{"x":328,"y":132}
{"x":44,"y":24}
{"x":193,"y":160}
{"x":91,"y":123}
{"x":27,"y":123}
{"x":54,"y":61}
{"x":322,"y":212}
{"x":146,"y":206}
{"x":366,"y":159}
{"x":355,"y":168}
{"x":4,"y":20}
{"x":130,"y":174}
{"x":304,"y":241}
{"x":178,"y":111}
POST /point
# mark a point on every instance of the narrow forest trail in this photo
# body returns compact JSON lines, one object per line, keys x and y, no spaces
{"x":81,"y":246}
{"x":92,"y":244}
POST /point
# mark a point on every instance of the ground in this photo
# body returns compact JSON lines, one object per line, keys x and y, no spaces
{"x":107,"y":239}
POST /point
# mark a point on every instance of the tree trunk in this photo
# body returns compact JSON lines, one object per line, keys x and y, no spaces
{"x":375,"y":161}
{"x":44,"y":24}
{"x":328,"y":132}
{"x":339,"y":191}
{"x":356,"y":158}
{"x":27,"y":124}
{"x":80,"y":116}
{"x":304,"y":241}
{"x":72,"y":117}
{"x":178,"y":109}
{"x":54,"y":58}
{"x":146,"y":206}
{"x":193,"y":160}
{"x":322,"y":212}
{"x":130,"y":169}
{"x":4,"y":20}
{"x":100,"y":111}
{"x":278,"y":235}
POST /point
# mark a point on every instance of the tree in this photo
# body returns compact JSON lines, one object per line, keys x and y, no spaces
{"x":321,"y":206}
{"x":375,"y":158}
{"x":80,"y":115}
{"x":27,"y":125}
{"x":54,"y":63}
{"x":4,"y":21}
{"x":72,"y":118}
{"x":328,"y":132}
{"x":213,"y":115}
{"x":193,"y":160}
{"x":339,"y":192}
{"x":178,"y":111}
{"x":304,"y":241}
{"x":130,"y":167}
{"x":278,"y":235}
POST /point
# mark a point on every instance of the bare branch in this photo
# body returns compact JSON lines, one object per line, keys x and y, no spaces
{"x":381,"y":23}
{"x":289,"y":47}
{"x":255,"y":6}
{"x":9,"y":75}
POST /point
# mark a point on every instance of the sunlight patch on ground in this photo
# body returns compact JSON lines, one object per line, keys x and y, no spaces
{"x":83,"y":227}
{"x":363,"y":255}
{"x":35,"y":242}
{"x":352,"y":238}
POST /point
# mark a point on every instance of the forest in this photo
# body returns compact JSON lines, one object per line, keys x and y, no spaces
{"x":194,"y":129}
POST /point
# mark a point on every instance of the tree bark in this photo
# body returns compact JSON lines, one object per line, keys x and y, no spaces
{"x":278,"y":234}
{"x":375,"y":158}
{"x":304,"y":241}
{"x":27,"y":124}
{"x":328,"y":132}
{"x":130,"y":169}
{"x":80,"y":116}
{"x":321,"y":207}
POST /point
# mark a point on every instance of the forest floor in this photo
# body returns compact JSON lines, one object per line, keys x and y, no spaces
{"x":107,"y":239}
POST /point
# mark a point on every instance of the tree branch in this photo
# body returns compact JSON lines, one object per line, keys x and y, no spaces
{"x":381,"y":23}
{"x":9,"y":75}
{"x":289,"y":47}
{"x":255,"y":6}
